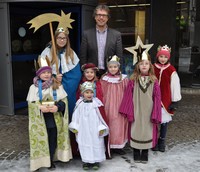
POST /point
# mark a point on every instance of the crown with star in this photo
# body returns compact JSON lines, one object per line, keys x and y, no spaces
{"x":164,"y":48}
{"x":139,"y":51}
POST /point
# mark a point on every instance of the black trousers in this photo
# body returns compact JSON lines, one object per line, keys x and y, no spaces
{"x":163,"y":130}
{"x":52,"y":138}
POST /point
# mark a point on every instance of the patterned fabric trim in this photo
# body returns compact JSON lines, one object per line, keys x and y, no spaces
{"x":144,"y":84}
{"x":141,"y":142}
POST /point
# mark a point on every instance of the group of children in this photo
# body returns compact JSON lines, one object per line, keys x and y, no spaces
{"x":109,"y":112}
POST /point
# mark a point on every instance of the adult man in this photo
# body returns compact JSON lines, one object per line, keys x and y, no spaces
{"x":101,"y":42}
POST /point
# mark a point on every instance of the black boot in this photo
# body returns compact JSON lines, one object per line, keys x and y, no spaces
{"x":155,"y":148}
{"x":161,"y":144}
{"x":52,"y":167}
{"x":136,"y":155}
{"x":144,"y":156}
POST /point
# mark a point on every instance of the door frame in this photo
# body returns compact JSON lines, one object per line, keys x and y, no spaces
{"x":6,"y":91}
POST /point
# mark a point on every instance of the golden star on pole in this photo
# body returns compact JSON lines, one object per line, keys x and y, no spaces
{"x":64,"y":20}
{"x":138,"y":50}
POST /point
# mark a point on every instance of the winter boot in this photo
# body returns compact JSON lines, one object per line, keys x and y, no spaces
{"x":136,"y":155}
{"x":155,"y":148}
{"x":161,"y":144}
{"x":52,"y":167}
{"x":144,"y":156}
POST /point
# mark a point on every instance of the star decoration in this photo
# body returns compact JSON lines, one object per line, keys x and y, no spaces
{"x":63,"y":21}
{"x":138,"y":50}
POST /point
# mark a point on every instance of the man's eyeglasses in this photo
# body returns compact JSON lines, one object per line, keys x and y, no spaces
{"x":101,"y":15}
{"x":61,"y":38}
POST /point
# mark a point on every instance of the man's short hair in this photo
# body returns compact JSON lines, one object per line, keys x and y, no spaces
{"x":102,"y":7}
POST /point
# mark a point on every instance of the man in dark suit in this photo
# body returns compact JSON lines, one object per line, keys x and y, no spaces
{"x":101,"y":42}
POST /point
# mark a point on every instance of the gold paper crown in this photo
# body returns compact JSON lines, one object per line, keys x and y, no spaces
{"x":113,"y":59}
{"x":62,"y":30}
{"x":41,"y":62}
{"x":87,"y":86}
{"x":145,"y":56}
{"x":42,"y":65}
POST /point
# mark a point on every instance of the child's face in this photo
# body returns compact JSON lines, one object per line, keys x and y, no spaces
{"x":61,"y":39}
{"x":163,"y":59}
{"x":113,"y":68}
{"x":45,"y":76}
{"x":88,"y":95}
{"x":144,"y":66}
{"x":89,"y":74}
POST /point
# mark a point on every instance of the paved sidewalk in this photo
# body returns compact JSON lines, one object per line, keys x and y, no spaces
{"x":184,"y":129}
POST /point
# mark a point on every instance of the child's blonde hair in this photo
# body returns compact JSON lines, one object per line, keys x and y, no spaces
{"x":55,"y":84}
{"x":137,"y":73}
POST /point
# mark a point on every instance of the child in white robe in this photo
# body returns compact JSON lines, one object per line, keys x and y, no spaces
{"x":90,"y":128}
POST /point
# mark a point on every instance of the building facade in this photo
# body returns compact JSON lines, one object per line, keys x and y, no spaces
{"x":172,"y":22}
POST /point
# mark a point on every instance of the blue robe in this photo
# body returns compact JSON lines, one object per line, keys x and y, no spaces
{"x":70,"y":83}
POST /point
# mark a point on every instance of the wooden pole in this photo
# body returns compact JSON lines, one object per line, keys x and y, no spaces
{"x":54,"y":48}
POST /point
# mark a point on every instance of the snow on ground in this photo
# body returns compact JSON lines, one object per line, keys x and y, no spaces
{"x":180,"y":158}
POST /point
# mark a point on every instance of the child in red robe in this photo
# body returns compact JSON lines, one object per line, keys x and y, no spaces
{"x":170,"y":91}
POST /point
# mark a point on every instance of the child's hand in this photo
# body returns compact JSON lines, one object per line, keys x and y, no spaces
{"x":74,"y":131}
{"x":44,"y":108}
{"x":173,"y":106}
{"x":101,"y":132}
{"x":59,"y":77}
{"x":53,"y":108}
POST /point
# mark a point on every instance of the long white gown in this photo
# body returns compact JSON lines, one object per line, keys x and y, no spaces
{"x":88,"y":121}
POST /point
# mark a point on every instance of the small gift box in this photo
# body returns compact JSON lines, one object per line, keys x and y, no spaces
{"x":48,"y":103}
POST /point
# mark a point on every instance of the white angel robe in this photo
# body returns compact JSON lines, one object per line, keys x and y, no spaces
{"x":87,"y":120}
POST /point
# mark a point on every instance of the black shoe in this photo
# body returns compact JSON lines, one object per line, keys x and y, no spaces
{"x":95,"y":166}
{"x":108,"y":157}
{"x":136,"y":155}
{"x":86,"y":166}
{"x":144,"y":156}
{"x":52,"y":167}
{"x":161,"y":145}
{"x":155,"y":148}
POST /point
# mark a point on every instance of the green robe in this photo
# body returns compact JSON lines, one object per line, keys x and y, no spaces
{"x":39,"y":147}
